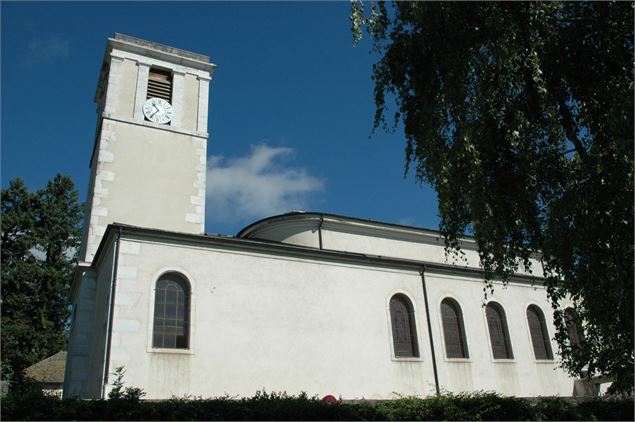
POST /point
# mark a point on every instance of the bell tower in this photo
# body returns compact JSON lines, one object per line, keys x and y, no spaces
{"x":148,"y":163}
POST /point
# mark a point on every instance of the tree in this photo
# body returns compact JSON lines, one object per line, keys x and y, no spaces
{"x":520,"y":115}
{"x":40,"y":237}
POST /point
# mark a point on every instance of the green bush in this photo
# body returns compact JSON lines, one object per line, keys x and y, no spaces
{"x":607,"y":409}
{"x":478,"y":406}
{"x":33,"y":405}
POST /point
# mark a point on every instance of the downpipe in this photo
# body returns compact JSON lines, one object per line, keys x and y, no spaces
{"x":434,"y":359}
{"x":320,"y":231}
{"x":111,"y":309}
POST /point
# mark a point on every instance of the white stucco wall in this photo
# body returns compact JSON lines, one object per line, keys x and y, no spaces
{"x":262,"y":321}
{"x":95,"y":368}
{"x":190,"y":102}
{"x":152,"y":178}
{"x":124,"y":104}
{"x":523,"y":375}
{"x":258,"y":322}
{"x":86,"y":343}
{"x":371,"y":238}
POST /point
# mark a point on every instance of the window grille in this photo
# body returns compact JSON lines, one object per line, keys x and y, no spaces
{"x":453,"y":329}
{"x":498,"y":333}
{"x":404,"y":333}
{"x":171,"y":313}
{"x":539,"y":333}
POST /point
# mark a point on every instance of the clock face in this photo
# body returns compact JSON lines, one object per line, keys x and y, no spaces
{"x":158,"y":110}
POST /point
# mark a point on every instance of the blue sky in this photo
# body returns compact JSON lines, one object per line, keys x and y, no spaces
{"x":291,"y":105}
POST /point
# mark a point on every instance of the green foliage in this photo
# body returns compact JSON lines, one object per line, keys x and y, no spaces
{"x":118,"y":392}
{"x":40,"y":236}
{"x":477,"y":406}
{"x":280,"y":406}
{"x":520,"y":115}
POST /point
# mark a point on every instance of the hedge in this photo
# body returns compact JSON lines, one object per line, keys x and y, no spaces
{"x":280,"y":406}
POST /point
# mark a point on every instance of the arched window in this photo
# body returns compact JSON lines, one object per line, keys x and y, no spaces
{"x":453,"y":329}
{"x":404,"y":333}
{"x":573,"y":326}
{"x":539,"y":333}
{"x":171,"y":312}
{"x":498,"y":333}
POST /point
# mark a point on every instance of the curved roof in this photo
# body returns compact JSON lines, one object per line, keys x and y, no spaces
{"x":299,"y":216}
{"x":334,"y":232}
{"x":325,"y":231}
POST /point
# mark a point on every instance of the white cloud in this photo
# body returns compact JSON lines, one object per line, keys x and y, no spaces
{"x":256,"y":185}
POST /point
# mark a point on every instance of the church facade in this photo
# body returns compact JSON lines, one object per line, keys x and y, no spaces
{"x":312,"y":302}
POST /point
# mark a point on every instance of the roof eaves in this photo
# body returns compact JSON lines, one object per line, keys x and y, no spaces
{"x":279,"y":248}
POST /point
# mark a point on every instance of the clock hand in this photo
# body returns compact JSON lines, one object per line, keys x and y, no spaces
{"x":159,"y":109}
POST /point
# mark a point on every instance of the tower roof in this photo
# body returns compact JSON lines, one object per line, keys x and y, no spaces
{"x":160,"y":47}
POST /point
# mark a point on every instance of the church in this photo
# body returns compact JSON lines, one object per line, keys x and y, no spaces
{"x":300,"y":302}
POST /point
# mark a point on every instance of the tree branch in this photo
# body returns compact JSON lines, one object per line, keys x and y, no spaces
{"x":568,"y":125}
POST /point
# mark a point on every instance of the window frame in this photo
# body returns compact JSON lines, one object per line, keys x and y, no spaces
{"x":187,"y":279}
{"x":412,"y":320}
{"x":506,"y":334}
{"x":546,"y":338}
{"x":462,"y":331}
{"x":575,"y":319}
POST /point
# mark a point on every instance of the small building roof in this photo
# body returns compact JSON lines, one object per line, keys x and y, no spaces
{"x":49,"y":370}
